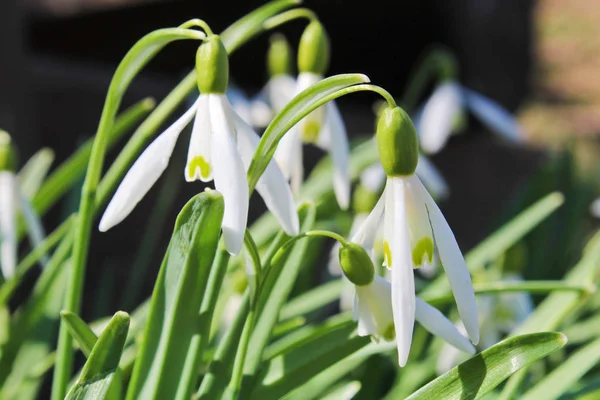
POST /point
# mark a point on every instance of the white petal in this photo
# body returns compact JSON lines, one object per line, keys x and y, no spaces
{"x":419,"y":227}
{"x":289,"y":155}
{"x":431,"y":178}
{"x":493,"y":115}
{"x":438,"y":116}
{"x":310,"y":126}
{"x":240,"y":103}
{"x":280,"y":90}
{"x":366,"y":322}
{"x":403,"y":285}
{"x":229,"y":173}
{"x":260,"y":113}
{"x":8,"y":224}
{"x":367,"y":232}
{"x":595,"y":208}
{"x":373,"y":178}
{"x":35,"y":229}
{"x":435,"y":322}
{"x":333,"y":138}
{"x":272,"y":185}
{"x":144,"y":173}
{"x":455,"y":267}
{"x":199,"y":160}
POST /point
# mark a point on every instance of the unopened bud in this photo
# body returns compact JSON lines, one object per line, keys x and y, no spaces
{"x":313,"y":51}
{"x":397,"y":142}
{"x":8,"y":154}
{"x":279,"y":57}
{"x":356,"y":264}
{"x":212,"y":66}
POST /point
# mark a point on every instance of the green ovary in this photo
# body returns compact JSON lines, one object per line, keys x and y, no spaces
{"x":423,"y":248}
{"x":199,"y":162}
{"x":389,"y":333}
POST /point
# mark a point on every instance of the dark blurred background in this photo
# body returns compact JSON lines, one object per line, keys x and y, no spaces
{"x":58,"y":57}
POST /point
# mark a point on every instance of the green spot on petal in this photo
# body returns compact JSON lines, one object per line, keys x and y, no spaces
{"x":389,"y":333}
{"x":387,"y":254}
{"x":310,"y":131}
{"x":423,"y":248}
{"x":199,"y":162}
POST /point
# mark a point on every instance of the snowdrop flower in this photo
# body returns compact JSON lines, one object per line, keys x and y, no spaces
{"x":324,"y":127}
{"x":13,"y":201}
{"x":499,"y":315}
{"x":221,"y":148}
{"x":447,"y":103}
{"x":413,"y":227}
{"x":595,"y":208}
{"x":373,"y":307}
{"x":281,"y":87}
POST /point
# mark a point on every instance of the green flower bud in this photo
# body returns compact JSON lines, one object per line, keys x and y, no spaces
{"x":212,"y":66}
{"x":356,"y":264}
{"x":363,"y":200}
{"x":279,"y":57}
{"x":397,"y":142}
{"x":313,"y":51}
{"x":8,"y":154}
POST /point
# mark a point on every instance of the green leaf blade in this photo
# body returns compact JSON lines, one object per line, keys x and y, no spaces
{"x":476,"y":377}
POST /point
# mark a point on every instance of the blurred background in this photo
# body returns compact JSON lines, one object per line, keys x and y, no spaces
{"x":539,"y":59}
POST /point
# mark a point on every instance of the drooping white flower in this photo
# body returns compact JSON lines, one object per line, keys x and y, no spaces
{"x":221,"y":148}
{"x":13,"y":202}
{"x":373,"y":307}
{"x":323,"y":128}
{"x":447,"y":102}
{"x":413,"y":227}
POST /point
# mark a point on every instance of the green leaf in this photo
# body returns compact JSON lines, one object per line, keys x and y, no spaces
{"x":174,"y":311}
{"x":251,"y":24}
{"x":299,"y":107}
{"x":550,"y":313}
{"x":278,"y":283}
{"x":34,"y":329}
{"x":533,"y":287}
{"x":313,"y":299}
{"x":99,"y":370}
{"x":302,"y":363}
{"x":476,"y":377}
{"x":8,"y":288}
{"x":73,"y":168}
{"x":344,"y":391}
{"x":34,"y":172}
{"x":81,"y":332}
{"x":567,"y":374}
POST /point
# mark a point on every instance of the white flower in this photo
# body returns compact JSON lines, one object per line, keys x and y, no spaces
{"x":221,"y":148}
{"x":595,"y":208}
{"x":374,"y":312}
{"x":413,"y":224}
{"x":324,"y":128}
{"x":255,"y":112}
{"x":13,"y":201}
{"x":447,"y":103}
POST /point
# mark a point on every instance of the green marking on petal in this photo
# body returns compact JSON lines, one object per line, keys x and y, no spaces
{"x":423,"y":248}
{"x":389,"y":333}
{"x":387,"y":254}
{"x":202,"y":164}
{"x":310,"y":131}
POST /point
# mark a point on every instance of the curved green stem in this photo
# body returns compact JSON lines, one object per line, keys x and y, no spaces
{"x":197,"y":23}
{"x":277,"y":256}
{"x":288,"y":16}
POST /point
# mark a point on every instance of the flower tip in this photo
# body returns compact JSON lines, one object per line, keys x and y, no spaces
{"x":104,"y":225}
